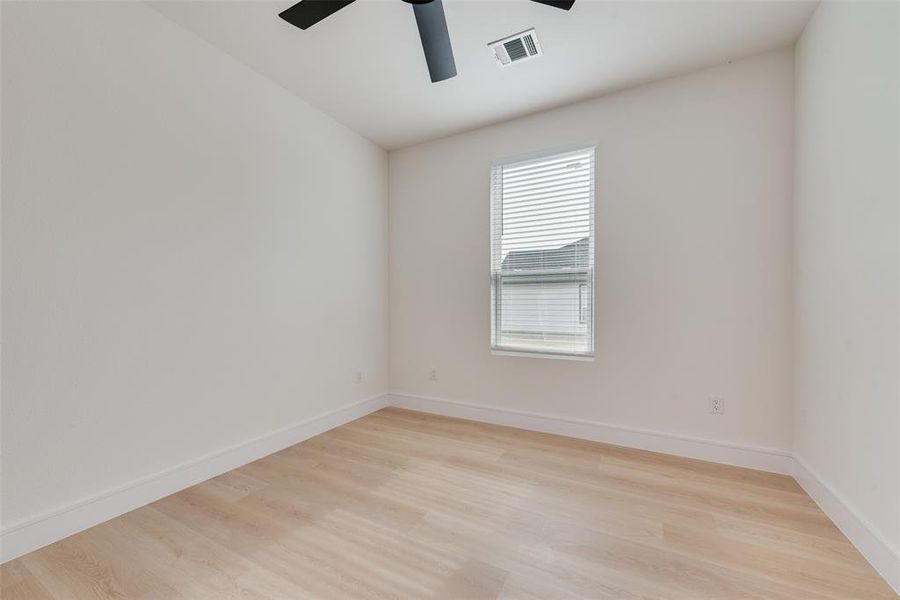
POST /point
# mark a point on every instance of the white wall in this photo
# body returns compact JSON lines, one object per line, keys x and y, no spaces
{"x":847,"y":329}
{"x":693,"y":259}
{"x":192,"y":257}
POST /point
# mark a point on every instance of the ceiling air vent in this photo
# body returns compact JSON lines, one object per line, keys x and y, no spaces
{"x":514,"y":48}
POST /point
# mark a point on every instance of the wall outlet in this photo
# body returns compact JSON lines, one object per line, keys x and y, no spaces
{"x":433,"y":375}
{"x":716,"y":405}
{"x":358,"y":377}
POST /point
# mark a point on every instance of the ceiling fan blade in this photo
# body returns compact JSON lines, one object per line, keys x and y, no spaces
{"x":435,"y":40}
{"x":563,"y":4}
{"x":307,"y":13}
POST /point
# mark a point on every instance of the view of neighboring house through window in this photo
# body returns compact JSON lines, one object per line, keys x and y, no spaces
{"x":542,"y":255}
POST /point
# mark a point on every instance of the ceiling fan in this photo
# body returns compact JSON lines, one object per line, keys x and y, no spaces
{"x":429,"y":18}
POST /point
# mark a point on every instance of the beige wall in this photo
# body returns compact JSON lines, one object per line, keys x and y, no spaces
{"x":192,"y":257}
{"x":847,"y":424}
{"x":693,"y":259}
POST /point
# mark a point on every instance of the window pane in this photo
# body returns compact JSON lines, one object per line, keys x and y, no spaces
{"x":542,"y":254}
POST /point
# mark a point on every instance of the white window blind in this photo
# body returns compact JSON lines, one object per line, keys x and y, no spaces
{"x":542,"y":255}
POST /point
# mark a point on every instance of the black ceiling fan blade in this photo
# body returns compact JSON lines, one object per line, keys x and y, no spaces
{"x":307,"y":13}
{"x":563,"y":4}
{"x":435,"y":40}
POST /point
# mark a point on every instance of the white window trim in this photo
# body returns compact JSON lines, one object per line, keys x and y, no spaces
{"x":535,"y":155}
{"x":557,"y":356}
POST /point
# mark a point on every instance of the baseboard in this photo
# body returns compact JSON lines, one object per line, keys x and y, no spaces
{"x":871,"y":544}
{"x":40,"y":531}
{"x":753,"y":457}
{"x":24,"y":537}
{"x":880,"y":553}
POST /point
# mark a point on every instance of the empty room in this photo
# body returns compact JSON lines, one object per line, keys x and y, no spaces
{"x":450,"y":299}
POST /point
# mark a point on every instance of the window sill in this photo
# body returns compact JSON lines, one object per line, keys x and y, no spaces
{"x":527,"y":354}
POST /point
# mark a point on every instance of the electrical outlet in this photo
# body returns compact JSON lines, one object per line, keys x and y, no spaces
{"x":433,"y":375}
{"x":716,"y":405}
{"x":358,"y":377}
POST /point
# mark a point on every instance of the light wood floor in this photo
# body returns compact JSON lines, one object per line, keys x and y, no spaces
{"x":406,"y":505}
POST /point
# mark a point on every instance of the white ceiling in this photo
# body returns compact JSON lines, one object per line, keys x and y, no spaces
{"x":364,"y":64}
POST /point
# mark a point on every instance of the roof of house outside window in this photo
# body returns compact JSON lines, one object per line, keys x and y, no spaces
{"x":574,"y":255}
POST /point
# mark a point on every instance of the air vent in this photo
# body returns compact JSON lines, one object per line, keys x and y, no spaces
{"x":515,"y":48}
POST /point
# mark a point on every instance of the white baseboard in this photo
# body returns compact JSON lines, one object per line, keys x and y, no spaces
{"x":872,"y":545}
{"x":37,"y":532}
{"x":741,"y":455}
{"x":876,"y":548}
{"x":24,"y":537}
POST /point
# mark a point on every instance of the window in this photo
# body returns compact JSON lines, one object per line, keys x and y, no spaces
{"x":542,"y":255}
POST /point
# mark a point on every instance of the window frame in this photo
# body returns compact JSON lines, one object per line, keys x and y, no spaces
{"x":495,"y":306}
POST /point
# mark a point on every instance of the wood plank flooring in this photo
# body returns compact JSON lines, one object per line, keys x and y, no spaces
{"x":402,"y":504}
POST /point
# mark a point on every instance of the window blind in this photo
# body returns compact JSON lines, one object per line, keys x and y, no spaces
{"x":542,"y":255}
